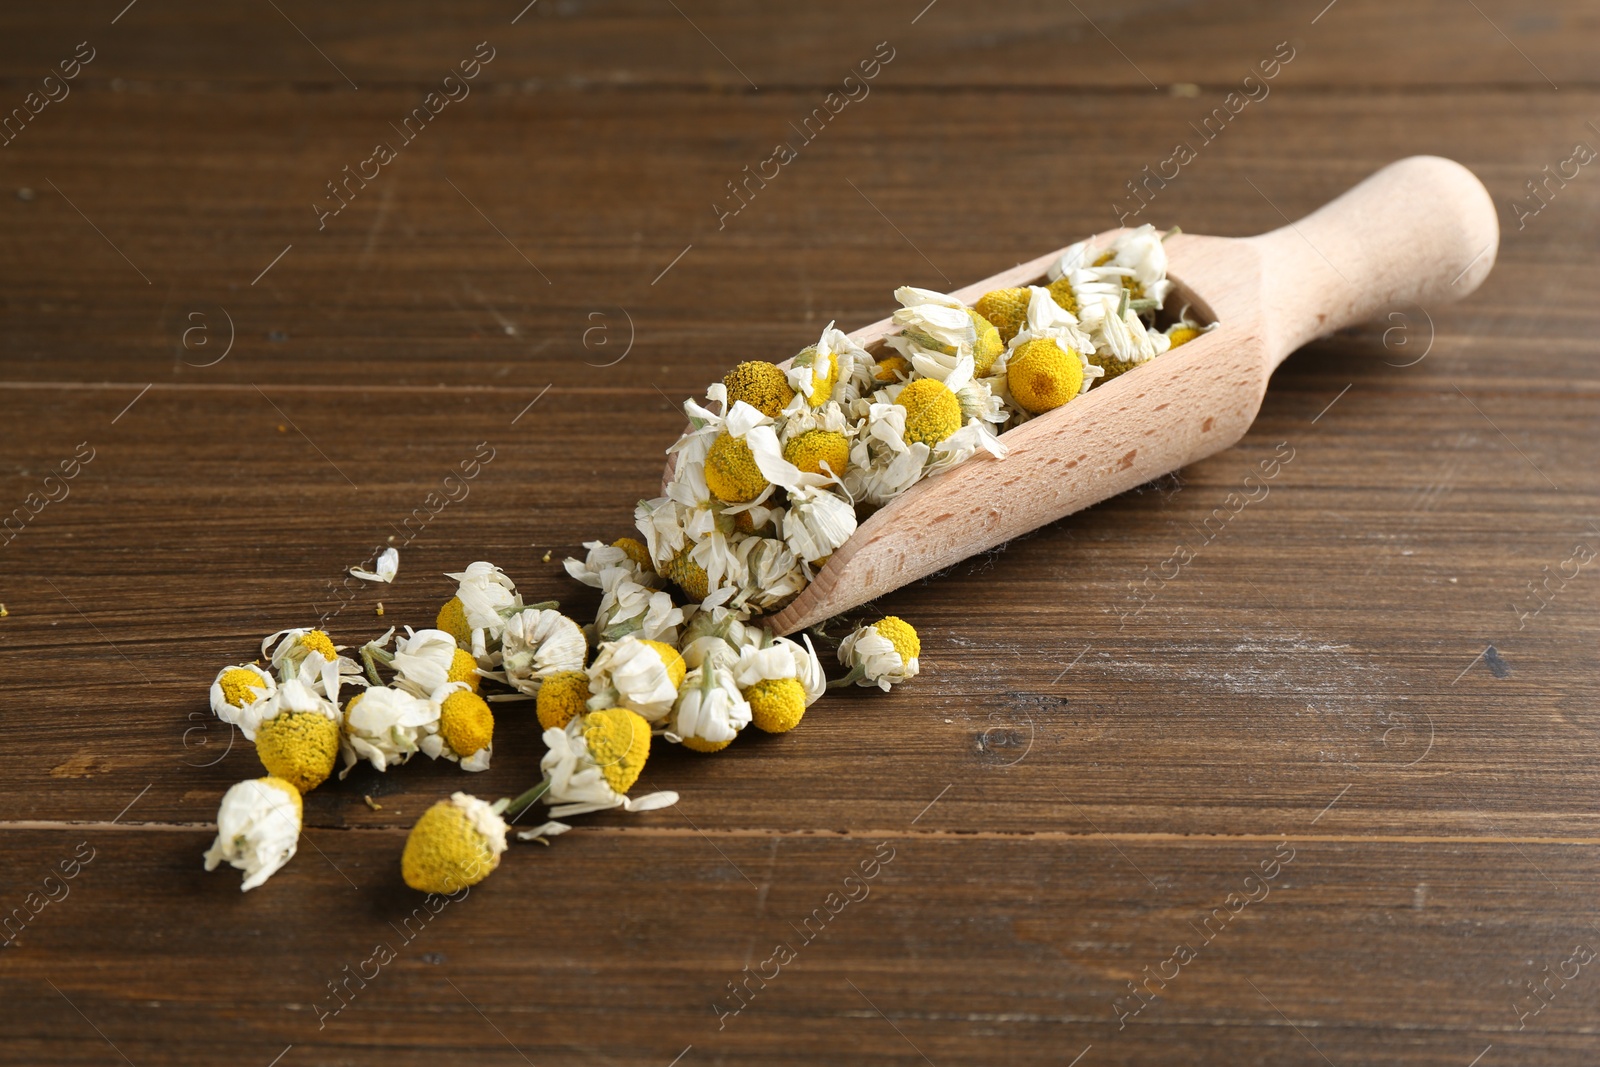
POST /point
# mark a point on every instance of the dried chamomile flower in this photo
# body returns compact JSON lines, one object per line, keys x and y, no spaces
{"x":636,"y":674}
{"x":537,"y":644}
{"x":1123,"y":342}
{"x":780,"y":657}
{"x":818,"y":522}
{"x":289,"y":648}
{"x":883,"y":653}
{"x":819,"y":451}
{"x":258,"y":829}
{"x":932,"y":411}
{"x":710,"y":710}
{"x":424,"y":660}
{"x":634,"y":549}
{"x":464,"y":728}
{"x":631,"y":608}
{"x":1142,"y":257}
{"x":1041,"y":375}
{"x":760,"y":384}
{"x":819,"y":371}
{"x":716,"y":635}
{"x":457,"y":843}
{"x":731,"y":471}
{"x":591,"y":765}
{"x":562,"y":697}
{"x":772,"y":573}
{"x":237,"y":691}
{"x":385,"y":727}
{"x":486,"y":595}
{"x":297,"y":738}
{"x":1183,"y":331}
{"x":891,"y":369}
{"x":1006,"y":308}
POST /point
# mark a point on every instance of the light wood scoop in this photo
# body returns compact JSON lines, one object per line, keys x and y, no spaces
{"x":1419,"y":231}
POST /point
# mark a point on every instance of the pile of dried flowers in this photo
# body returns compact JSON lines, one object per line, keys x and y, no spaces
{"x":766,"y":485}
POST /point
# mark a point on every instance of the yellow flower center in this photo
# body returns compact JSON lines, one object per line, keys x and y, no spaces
{"x":989,"y":345}
{"x":1007,"y":309}
{"x":237,"y":683}
{"x":562,"y":698}
{"x":892,"y":369}
{"x":317,"y":641}
{"x":445,"y":852}
{"x":689,"y":576}
{"x":745,"y":522}
{"x":452,"y":619}
{"x":761,"y":385}
{"x":299,"y":747}
{"x":731,"y":471}
{"x":1135,"y":288}
{"x":671,"y":660}
{"x":1112,"y":366}
{"x":815,"y":450}
{"x":1061,"y":292}
{"x":1182,"y":335}
{"x":619,"y":744}
{"x":700,"y":744}
{"x":1042,"y":375}
{"x":901,"y":635}
{"x":463,"y":668}
{"x":465,"y":722}
{"x":636,"y":551}
{"x":932,"y":411}
{"x":776,"y":704}
{"x":821,"y":385}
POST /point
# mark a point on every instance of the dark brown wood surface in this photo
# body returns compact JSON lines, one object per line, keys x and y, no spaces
{"x":1354,"y":672}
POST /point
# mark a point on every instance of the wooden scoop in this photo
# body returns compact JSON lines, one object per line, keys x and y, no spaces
{"x":1420,"y":231}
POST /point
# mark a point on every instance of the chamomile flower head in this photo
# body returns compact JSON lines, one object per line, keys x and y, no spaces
{"x":1061,"y":292}
{"x":710,"y":710}
{"x":487,"y":594}
{"x":464,"y":731}
{"x":883,"y":653}
{"x":637,"y":674}
{"x":626,"y":555}
{"x":818,"y":521}
{"x":299,"y":747}
{"x":258,"y":829}
{"x":424,"y":660}
{"x":452,"y":619}
{"x":385,"y":726}
{"x":1142,"y":257}
{"x":778,"y":657}
{"x":989,"y":344}
{"x":776,"y":704}
{"x":563,"y":696}
{"x":716,"y":635}
{"x":772,"y":572}
{"x":819,"y":370}
{"x":892,"y":368}
{"x":731,"y":471}
{"x":1123,"y":341}
{"x":932,"y":411}
{"x":593,"y":763}
{"x":635,"y":550}
{"x":689,"y":576}
{"x":934,"y":322}
{"x":760,"y":384}
{"x":291,"y":647}
{"x":819,"y":451}
{"x":1184,"y":330}
{"x":457,"y":843}
{"x":538,"y":643}
{"x":631,"y":608}
{"x":1041,"y":375}
{"x":1007,"y":309}
{"x":235,"y":693}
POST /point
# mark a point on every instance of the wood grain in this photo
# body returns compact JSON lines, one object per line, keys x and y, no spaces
{"x":1091,"y":761}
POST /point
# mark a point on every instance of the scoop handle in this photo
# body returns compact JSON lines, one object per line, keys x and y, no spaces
{"x":1422,"y":231}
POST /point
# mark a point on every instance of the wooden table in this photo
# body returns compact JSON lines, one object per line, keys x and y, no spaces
{"x":1324,"y":795}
